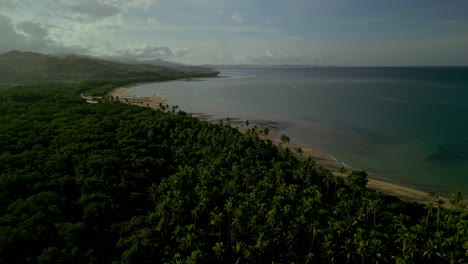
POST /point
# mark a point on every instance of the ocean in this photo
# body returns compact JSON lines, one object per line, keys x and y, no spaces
{"x":406,"y":125}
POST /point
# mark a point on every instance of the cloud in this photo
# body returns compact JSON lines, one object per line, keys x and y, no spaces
{"x":237,"y":18}
{"x":141,"y":4}
{"x":35,"y":34}
{"x":30,"y":36}
{"x":270,"y":57}
{"x":91,"y":10}
{"x":10,"y":38}
{"x":148,"y":52}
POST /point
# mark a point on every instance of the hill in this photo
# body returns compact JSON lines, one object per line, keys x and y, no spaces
{"x":28,"y":67}
{"x":160,"y":62}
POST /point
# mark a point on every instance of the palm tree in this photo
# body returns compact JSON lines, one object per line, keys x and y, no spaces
{"x":262,"y":243}
{"x":216,"y":218}
{"x":462,"y":227}
{"x":361,"y":243}
{"x":400,"y":220}
{"x":440,"y":203}
{"x":237,"y":220}
{"x":328,"y":244}
{"x":455,"y":199}
{"x":342,"y":170}
{"x":348,"y":249}
{"x":337,"y":181}
{"x":327,"y":180}
{"x":299,"y":151}
{"x":238,"y":249}
{"x":358,"y":180}
{"x":432,"y":195}
{"x":429,"y":206}
{"x":406,"y":239}
{"x":287,"y":154}
{"x":285,"y":139}
{"x":219,"y":249}
{"x":431,"y":249}
{"x":374,"y":206}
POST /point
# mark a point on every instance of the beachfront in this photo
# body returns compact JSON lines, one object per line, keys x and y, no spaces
{"x":126,"y":95}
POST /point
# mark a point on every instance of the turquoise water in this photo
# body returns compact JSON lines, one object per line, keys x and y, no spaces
{"x":404,"y":125}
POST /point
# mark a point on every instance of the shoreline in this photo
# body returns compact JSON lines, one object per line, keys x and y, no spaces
{"x":386,"y":187}
{"x":124,"y":95}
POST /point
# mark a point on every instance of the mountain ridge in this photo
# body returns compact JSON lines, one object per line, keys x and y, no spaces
{"x":28,"y":67}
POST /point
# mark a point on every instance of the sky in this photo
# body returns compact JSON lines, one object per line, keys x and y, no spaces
{"x":315,"y":32}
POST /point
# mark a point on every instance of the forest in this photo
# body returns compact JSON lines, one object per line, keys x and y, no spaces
{"x":117,"y":183}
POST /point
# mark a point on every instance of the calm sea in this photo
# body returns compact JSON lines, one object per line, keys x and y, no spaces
{"x":405,"y":125}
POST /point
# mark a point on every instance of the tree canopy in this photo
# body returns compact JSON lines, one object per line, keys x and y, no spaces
{"x":116,"y":183}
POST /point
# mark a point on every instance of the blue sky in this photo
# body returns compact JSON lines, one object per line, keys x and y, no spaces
{"x":323,"y":32}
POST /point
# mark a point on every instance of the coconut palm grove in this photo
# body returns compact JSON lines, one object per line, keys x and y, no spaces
{"x":110,"y":182}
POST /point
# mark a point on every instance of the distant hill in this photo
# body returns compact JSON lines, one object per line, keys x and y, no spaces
{"x":258,"y":66}
{"x":158,"y":62}
{"x":27,"y":67}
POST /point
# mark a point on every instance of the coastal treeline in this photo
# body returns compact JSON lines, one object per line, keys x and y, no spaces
{"x":117,"y":183}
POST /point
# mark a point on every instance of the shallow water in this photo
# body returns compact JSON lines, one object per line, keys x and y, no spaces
{"x":405,"y":125}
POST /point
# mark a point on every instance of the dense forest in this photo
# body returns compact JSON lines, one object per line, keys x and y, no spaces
{"x":117,"y":183}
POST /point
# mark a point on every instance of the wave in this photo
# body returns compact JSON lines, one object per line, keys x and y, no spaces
{"x":243,"y":77}
{"x":335,"y":159}
{"x":346,"y":165}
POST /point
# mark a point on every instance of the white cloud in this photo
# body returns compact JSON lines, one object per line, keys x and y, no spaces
{"x":60,"y":25}
{"x":237,"y":18}
{"x":270,"y":57}
{"x":112,"y":23}
{"x":148,"y":52}
{"x":220,"y":56}
{"x":31,"y":36}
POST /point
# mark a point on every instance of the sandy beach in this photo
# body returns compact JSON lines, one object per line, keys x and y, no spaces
{"x":125,"y":95}
{"x":405,"y":193}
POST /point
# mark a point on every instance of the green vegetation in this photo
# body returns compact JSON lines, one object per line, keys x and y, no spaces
{"x":27,"y":67}
{"x":111,"y":182}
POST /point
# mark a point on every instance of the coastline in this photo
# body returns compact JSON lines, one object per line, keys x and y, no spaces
{"x":124,"y":95}
{"x":389,"y":188}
